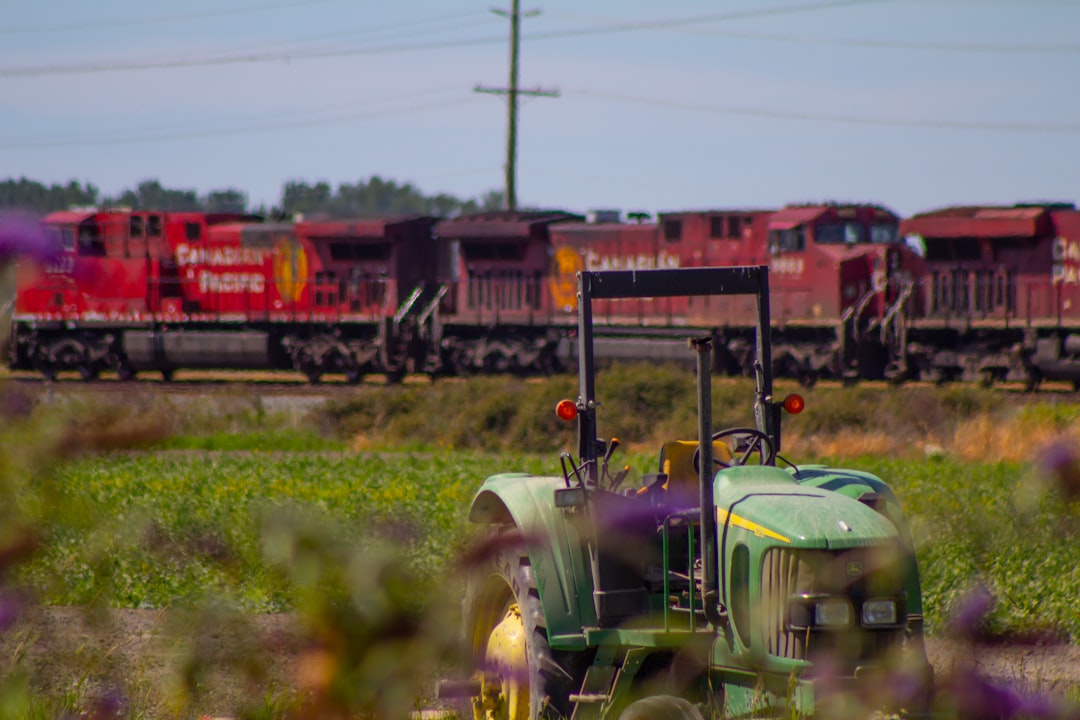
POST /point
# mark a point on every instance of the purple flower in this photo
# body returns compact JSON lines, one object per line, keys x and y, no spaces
{"x":968,"y":618}
{"x":9,"y":610}
{"x":23,"y":235}
{"x":976,"y":698}
{"x":1061,"y":463}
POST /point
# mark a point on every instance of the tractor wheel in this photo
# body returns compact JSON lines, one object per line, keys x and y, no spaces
{"x":506,"y":631}
{"x":661,"y":707}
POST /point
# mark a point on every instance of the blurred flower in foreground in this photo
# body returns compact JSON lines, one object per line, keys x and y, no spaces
{"x":21,"y":234}
{"x":1060,"y":463}
{"x":971,"y":696}
{"x":969,"y":616}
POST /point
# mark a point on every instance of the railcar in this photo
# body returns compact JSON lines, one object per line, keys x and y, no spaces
{"x":496,"y":311}
{"x":1001,"y":293}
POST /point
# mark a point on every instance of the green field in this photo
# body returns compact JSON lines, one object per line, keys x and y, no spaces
{"x":153,"y":529}
{"x":352,"y":514}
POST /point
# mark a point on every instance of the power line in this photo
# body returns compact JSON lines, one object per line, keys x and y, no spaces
{"x":1063,"y":128}
{"x":127,"y":138}
{"x":162,"y":19}
{"x":258,"y":57}
{"x":950,"y":46}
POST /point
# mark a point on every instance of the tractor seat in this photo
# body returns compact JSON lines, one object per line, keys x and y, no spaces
{"x":677,"y":462}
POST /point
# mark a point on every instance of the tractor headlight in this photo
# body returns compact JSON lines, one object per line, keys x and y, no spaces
{"x":879,"y":612}
{"x":834,"y":612}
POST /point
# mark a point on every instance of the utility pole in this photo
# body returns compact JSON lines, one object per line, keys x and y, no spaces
{"x":513,"y":92}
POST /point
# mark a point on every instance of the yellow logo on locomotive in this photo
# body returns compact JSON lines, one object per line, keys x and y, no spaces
{"x":565,"y":265}
{"x":290,"y":269}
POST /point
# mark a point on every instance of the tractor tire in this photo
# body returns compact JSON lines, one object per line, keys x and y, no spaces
{"x":506,"y":632}
{"x":661,"y":707}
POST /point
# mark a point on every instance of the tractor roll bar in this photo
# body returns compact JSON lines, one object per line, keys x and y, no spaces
{"x":682,"y":282}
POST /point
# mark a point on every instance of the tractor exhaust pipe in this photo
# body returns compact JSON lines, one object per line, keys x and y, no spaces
{"x":710,"y":579}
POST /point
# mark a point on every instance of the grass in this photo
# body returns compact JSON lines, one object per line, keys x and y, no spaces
{"x":353,"y":513}
{"x":187,"y":526}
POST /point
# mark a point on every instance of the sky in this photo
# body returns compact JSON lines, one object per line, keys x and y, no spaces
{"x":690,"y":104}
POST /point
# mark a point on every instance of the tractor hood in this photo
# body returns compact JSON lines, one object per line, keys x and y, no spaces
{"x":767,"y":502}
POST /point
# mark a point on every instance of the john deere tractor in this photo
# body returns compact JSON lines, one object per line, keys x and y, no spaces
{"x":730,"y":582}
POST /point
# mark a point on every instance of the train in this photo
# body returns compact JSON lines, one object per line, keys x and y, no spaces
{"x":857,"y":292}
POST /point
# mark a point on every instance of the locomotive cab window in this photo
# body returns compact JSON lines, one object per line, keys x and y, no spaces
{"x":136,"y":226}
{"x":673,"y":230}
{"x":193,"y":231}
{"x":840,"y":233}
{"x":789,"y":240}
{"x":153,"y":226}
{"x":884,"y":234}
{"x":91,"y":243}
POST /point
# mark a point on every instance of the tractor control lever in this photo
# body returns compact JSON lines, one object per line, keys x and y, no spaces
{"x":614,"y":443}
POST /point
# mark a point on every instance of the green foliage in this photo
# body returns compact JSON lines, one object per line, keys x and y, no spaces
{"x":915,"y":412}
{"x":31,"y":195}
{"x":991,"y":526}
{"x":374,"y":196}
{"x":185,"y":526}
{"x":265,"y":441}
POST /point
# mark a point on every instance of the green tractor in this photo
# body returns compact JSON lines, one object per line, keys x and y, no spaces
{"x":729,"y":583}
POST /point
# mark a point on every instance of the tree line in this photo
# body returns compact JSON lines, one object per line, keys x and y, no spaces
{"x":374,"y":196}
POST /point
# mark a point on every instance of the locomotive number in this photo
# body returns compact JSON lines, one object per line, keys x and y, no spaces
{"x":786,"y":265}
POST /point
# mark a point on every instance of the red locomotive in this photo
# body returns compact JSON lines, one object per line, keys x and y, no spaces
{"x":135,"y":290}
{"x":838,"y":279}
{"x":1001,"y":293}
{"x":996,"y":295}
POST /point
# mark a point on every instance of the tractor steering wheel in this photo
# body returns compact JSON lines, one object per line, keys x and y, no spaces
{"x":747,"y":441}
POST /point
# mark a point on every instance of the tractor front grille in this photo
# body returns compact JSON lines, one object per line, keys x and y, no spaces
{"x":789,"y":575}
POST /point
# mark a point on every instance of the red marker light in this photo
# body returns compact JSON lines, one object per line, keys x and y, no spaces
{"x":794,"y":404}
{"x":566,"y":410}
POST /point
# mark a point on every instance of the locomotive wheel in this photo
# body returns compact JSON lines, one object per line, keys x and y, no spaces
{"x":167,"y":374}
{"x":661,"y":707}
{"x":353,"y":377}
{"x":87,"y":372}
{"x":505,"y":629}
{"x":125,"y":373}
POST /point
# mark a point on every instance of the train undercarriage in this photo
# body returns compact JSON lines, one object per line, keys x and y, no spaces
{"x":807,"y":354}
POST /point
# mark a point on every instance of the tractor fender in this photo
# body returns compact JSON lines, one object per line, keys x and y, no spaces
{"x":555,"y":547}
